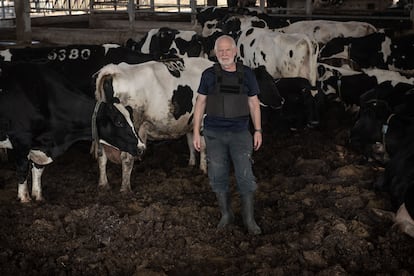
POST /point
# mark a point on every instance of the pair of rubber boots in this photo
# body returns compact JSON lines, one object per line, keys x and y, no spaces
{"x":227,"y":216}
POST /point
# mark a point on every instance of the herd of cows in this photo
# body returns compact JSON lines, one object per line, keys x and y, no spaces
{"x":119,"y":97}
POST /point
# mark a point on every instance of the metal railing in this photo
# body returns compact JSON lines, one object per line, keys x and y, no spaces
{"x":74,"y":7}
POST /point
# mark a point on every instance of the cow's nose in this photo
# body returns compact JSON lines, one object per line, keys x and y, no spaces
{"x":313,"y":124}
{"x":141,"y":150}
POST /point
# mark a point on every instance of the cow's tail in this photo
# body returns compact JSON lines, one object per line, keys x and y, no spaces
{"x":313,"y":47}
{"x":105,"y":73}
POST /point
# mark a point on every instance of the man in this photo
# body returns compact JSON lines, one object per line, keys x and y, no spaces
{"x":228,"y":95}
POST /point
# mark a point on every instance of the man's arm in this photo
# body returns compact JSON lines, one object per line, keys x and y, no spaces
{"x":254,"y":106}
{"x":199,"y":109}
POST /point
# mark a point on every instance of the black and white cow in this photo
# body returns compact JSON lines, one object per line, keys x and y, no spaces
{"x":42,"y":115}
{"x":398,"y":181}
{"x":162,"y":96}
{"x":380,"y":125}
{"x":209,"y":18}
{"x":348,"y":85}
{"x":283,"y":55}
{"x":78,"y":63}
{"x":375,"y":50}
{"x":323,"y":31}
{"x":166,"y":42}
{"x":300,"y":108}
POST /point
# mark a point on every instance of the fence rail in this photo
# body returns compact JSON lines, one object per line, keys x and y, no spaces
{"x":74,"y":7}
{"x":69,"y":7}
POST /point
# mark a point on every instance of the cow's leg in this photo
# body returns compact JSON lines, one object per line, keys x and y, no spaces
{"x":22,"y":167}
{"x":127,"y":165}
{"x":103,"y":178}
{"x":192,"y":160}
{"x":203,"y":156}
{"x":3,"y":155}
{"x":404,"y":221}
{"x":23,"y":192}
{"x":37,"y":172}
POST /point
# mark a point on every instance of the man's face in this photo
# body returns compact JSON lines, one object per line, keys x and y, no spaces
{"x":225,"y":53}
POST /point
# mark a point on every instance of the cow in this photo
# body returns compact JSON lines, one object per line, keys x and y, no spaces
{"x":397,"y":180}
{"x":283,"y":55}
{"x":300,"y":109}
{"x":77,"y":62}
{"x":346,"y":85}
{"x":42,"y":115}
{"x":233,"y":25}
{"x":343,"y":83}
{"x":378,"y":129}
{"x":214,"y":19}
{"x":162,"y":95}
{"x":377,"y":50}
{"x":166,"y":42}
{"x":323,"y":31}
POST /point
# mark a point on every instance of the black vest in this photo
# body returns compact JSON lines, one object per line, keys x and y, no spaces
{"x":228,"y":100}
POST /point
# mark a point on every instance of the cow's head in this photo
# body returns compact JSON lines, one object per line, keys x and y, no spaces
{"x":161,"y":43}
{"x":115,"y":128}
{"x":269,"y":93}
{"x":366,"y":135}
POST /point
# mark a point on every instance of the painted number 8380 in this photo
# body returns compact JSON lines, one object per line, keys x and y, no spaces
{"x":71,"y":54}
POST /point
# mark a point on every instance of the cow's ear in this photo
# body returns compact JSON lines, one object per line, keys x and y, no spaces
{"x":321,"y":70}
{"x":108,"y":90}
{"x":129,"y":108}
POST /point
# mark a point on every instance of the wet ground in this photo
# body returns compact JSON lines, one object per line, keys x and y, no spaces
{"x":314,"y":205}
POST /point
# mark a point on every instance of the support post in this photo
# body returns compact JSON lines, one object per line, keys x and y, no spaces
{"x":131,"y":13}
{"x":23,"y":23}
{"x":308,"y":9}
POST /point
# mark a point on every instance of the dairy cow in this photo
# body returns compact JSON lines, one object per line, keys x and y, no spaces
{"x":398,"y":182}
{"x":375,"y":50}
{"x":283,"y":55}
{"x":166,"y":42}
{"x":162,"y":96}
{"x":377,"y":131}
{"x":323,"y":31}
{"x":348,"y":85}
{"x":212,"y":17}
{"x":77,"y":62}
{"x":42,"y":115}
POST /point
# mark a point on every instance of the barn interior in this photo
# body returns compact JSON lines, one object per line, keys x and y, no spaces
{"x":318,"y":202}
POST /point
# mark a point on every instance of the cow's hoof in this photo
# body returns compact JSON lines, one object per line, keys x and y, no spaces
{"x":25,"y":199}
{"x":126,"y":191}
{"x":104,"y":187}
{"x":39,"y":199}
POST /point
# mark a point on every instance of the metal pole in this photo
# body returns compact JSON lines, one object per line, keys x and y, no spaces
{"x":3,"y":9}
{"x":70,"y":7}
{"x":262,"y":5}
{"x":308,"y":8}
{"x":131,"y":13}
{"x":193,"y":5}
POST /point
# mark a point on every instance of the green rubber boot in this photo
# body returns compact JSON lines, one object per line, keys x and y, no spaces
{"x":247,"y":201}
{"x":227,"y":216}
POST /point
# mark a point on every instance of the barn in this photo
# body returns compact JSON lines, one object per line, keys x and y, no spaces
{"x":333,"y":174}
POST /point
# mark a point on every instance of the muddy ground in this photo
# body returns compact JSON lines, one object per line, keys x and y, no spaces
{"x":314,"y":205}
